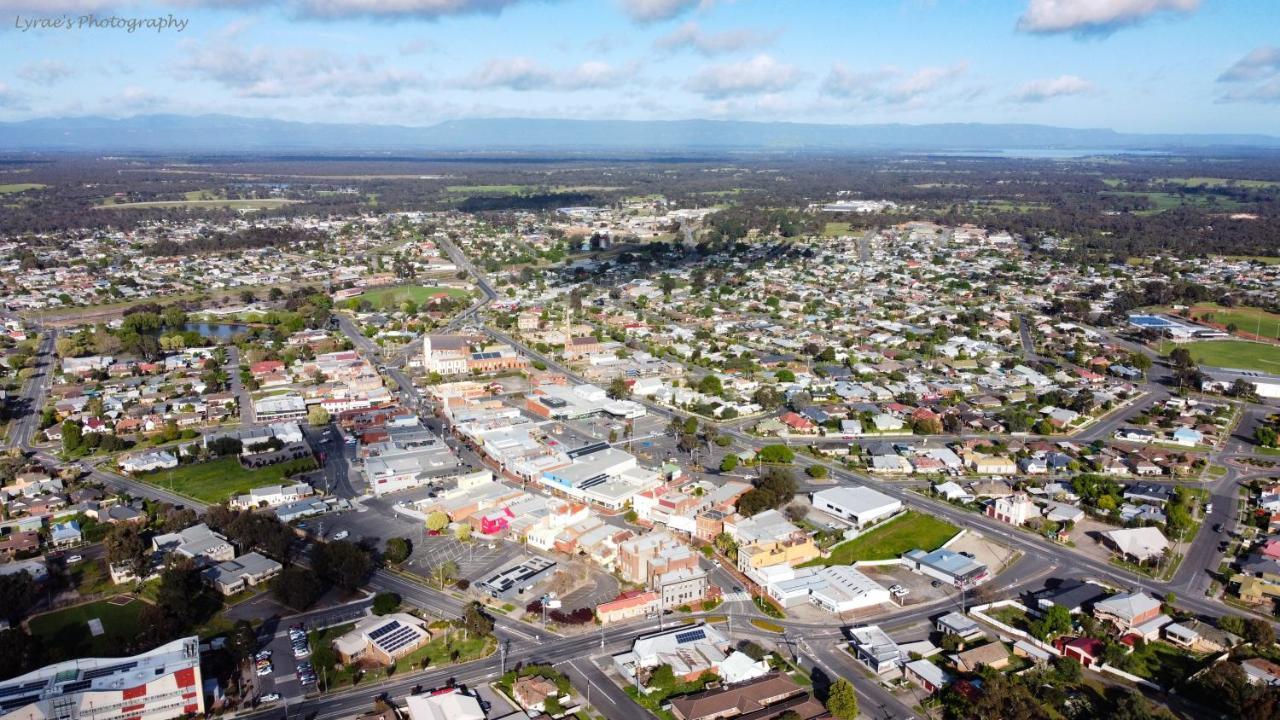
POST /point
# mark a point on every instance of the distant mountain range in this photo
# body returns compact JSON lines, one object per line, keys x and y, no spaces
{"x":231,"y":134}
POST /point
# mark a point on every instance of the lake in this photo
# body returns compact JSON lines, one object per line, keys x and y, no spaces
{"x":221,"y":331}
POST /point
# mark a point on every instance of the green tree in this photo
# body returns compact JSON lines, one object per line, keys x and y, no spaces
{"x":125,"y":546}
{"x":476,"y":620}
{"x":385,"y":603}
{"x":843,"y":701}
{"x":776,"y":454}
{"x":729,"y":463}
{"x":619,"y":389}
{"x":317,"y":416}
{"x":816,"y":471}
{"x":1055,"y":621}
{"x":1233,"y":624}
{"x":444,"y":573}
{"x":298,"y":587}
{"x":342,"y":563}
{"x":398,"y":550}
{"x":1259,"y":632}
{"x":437,"y":521}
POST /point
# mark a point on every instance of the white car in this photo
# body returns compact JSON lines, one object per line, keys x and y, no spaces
{"x":341,"y":535}
{"x":265,"y":670}
{"x":270,"y":697}
{"x":73,"y":559}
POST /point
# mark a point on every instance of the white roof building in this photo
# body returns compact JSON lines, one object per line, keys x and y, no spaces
{"x":447,"y":704}
{"x":1142,"y":544}
{"x":860,"y":505}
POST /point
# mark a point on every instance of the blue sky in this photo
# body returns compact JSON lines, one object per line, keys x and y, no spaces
{"x":1132,"y":65}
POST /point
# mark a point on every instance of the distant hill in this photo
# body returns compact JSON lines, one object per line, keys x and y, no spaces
{"x":231,"y":134}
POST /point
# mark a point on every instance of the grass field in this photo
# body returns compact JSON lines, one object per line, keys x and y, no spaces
{"x":1161,"y":201}
{"x":65,"y":633}
{"x":1219,"y":182}
{"x":488,"y":189}
{"x":909,"y":532}
{"x":1239,"y":354}
{"x":1264,"y":259}
{"x":216,"y":480}
{"x":1246,"y":319}
{"x":230,"y":204}
{"x":389,"y":298}
{"x":19,"y":187}
{"x":835,"y":229}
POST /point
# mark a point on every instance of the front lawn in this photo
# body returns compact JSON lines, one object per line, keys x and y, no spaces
{"x":1160,"y":663}
{"x":911,"y":531}
{"x":65,"y":635}
{"x":217,"y":480}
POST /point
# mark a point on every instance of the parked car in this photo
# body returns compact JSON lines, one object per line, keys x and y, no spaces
{"x":341,"y":535}
{"x":72,"y":560}
{"x":270,"y":697}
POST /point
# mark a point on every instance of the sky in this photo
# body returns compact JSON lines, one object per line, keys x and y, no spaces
{"x":1131,"y":65}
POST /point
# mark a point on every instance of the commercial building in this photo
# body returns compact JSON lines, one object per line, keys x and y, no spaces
{"x":947,"y":566}
{"x":859,"y":505}
{"x":628,"y":606}
{"x":874,"y":648}
{"x":445,"y":704}
{"x":279,"y":408}
{"x":271,"y":496}
{"x":157,"y":685}
{"x":516,"y":580}
{"x":689,"y":650}
{"x":837,"y":589}
{"x":383,"y":639}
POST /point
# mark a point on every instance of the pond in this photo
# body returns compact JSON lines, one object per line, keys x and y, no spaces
{"x":221,"y":331}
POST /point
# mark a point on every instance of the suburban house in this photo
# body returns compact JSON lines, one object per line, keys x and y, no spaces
{"x":242,"y":573}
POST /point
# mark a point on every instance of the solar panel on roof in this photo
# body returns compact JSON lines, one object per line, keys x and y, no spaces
{"x":691,"y":635}
{"x":77,"y":686}
{"x":109,"y":670}
{"x":383,"y":630}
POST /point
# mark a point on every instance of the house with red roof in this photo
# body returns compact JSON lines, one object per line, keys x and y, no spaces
{"x":1085,"y":649}
{"x":798,"y":423}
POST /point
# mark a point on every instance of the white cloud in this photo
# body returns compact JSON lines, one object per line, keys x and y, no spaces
{"x":270,"y":72}
{"x":1255,"y":77}
{"x":11,"y":99}
{"x":889,"y":84}
{"x":690,"y":36}
{"x":1087,"y":17}
{"x":522,"y":73}
{"x":1267,"y":92}
{"x":647,"y":11}
{"x":44,"y":72}
{"x":1048,"y":88}
{"x":1259,"y":63}
{"x":760,"y":74}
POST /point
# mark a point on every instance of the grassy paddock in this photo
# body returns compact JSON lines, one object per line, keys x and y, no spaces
{"x":391,"y":297}
{"x":217,"y":480}
{"x":1240,"y":354}
{"x":909,"y":532}
{"x":230,"y":204}
{"x":11,"y":188}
